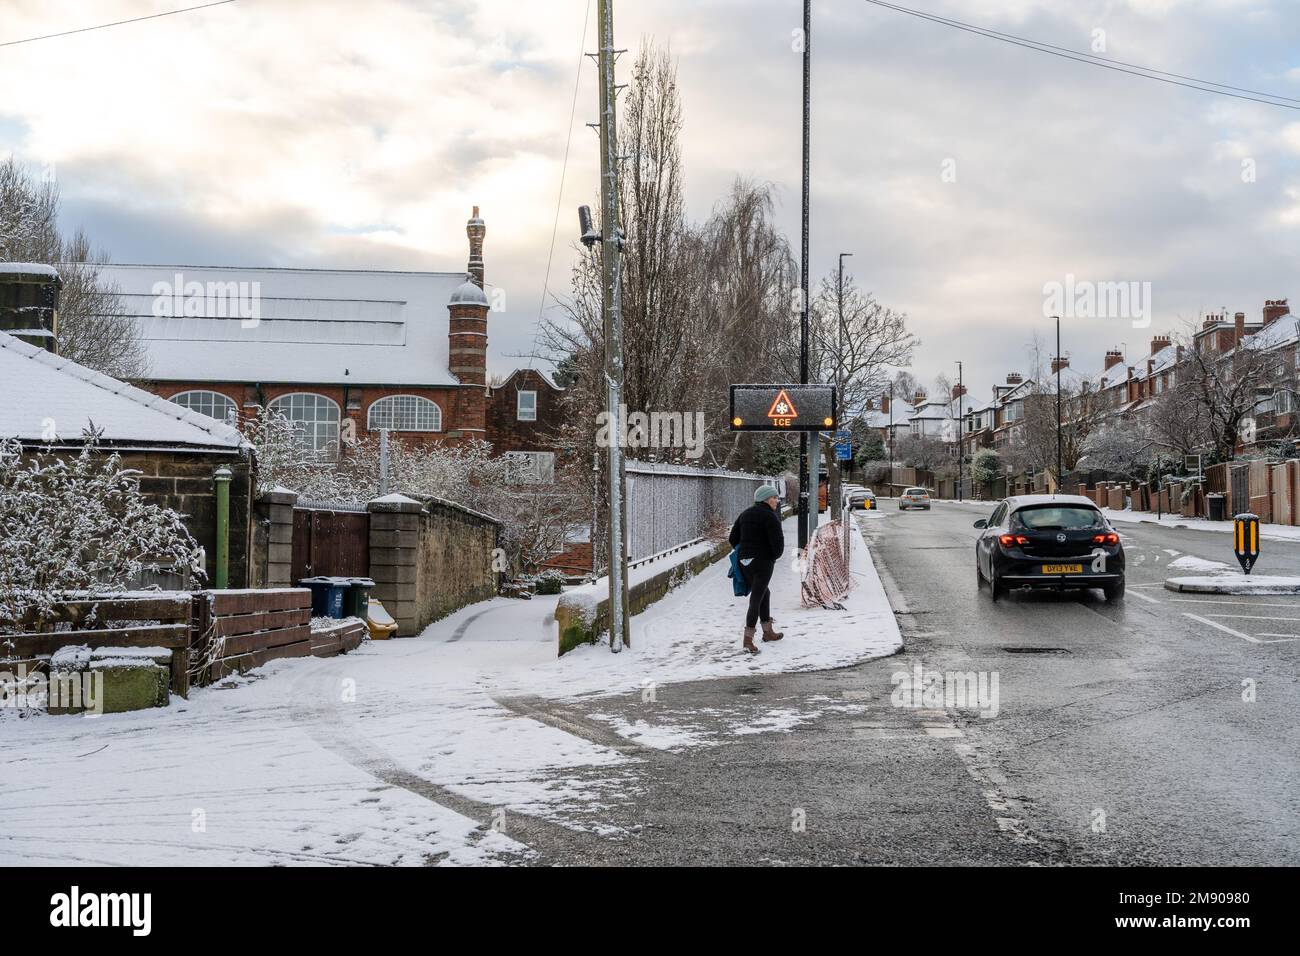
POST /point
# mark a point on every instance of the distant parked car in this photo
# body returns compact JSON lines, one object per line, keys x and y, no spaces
{"x":914,"y":498}
{"x":864,"y":499}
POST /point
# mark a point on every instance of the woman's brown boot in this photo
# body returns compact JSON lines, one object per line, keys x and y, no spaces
{"x":749,"y":641}
{"x":770,"y":633}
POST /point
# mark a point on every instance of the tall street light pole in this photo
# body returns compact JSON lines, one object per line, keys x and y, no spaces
{"x":891,"y":438}
{"x":837,"y":476}
{"x":961,"y":430}
{"x":804,"y":478}
{"x":1058,"y":403}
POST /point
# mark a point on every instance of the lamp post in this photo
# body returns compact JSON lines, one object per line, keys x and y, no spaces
{"x":804,"y":479}
{"x":1058,"y":403}
{"x":891,"y":438}
{"x":838,"y":474}
{"x":961,"y":434}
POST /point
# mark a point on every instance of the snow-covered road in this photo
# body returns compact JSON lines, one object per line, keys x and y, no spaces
{"x":407,"y":751}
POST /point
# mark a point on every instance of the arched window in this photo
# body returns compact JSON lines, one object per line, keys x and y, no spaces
{"x":213,"y":404}
{"x":316,"y":416}
{"x":405,"y":413}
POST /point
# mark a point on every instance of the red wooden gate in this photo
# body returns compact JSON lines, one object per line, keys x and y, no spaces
{"x":332,"y":542}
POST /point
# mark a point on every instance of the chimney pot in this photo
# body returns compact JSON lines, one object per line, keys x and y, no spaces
{"x":1274,"y":309}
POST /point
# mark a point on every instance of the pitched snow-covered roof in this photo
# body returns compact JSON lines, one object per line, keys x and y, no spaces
{"x":1281,"y":331}
{"x":43,"y":395}
{"x":326,"y":326}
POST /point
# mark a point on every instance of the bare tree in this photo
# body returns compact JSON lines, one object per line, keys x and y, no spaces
{"x":1082,"y":411}
{"x":859,"y":352}
{"x":93,"y":328}
{"x":1220,"y":390}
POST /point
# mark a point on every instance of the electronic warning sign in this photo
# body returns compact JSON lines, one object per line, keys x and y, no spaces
{"x":783,"y":408}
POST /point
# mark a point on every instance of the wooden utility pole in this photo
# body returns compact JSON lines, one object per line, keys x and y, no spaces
{"x":611,"y":266}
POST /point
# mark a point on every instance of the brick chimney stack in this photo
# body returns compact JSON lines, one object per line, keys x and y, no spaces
{"x":1239,"y":331}
{"x":1060,"y":362}
{"x":958,"y":391}
{"x":919,"y":397}
{"x":467,"y":336}
{"x":1160,"y":342}
{"x":884,"y":402}
{"x":1274,"y":309}
{"x":476,"y":229}
{"x":1113,"y":357}
{"x":1014,"y":378}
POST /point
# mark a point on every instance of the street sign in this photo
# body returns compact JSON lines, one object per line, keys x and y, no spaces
{"x":1245,"y":540}
{"x":843,"y":450}
{"x":783,"y":408}
{"x":1192,"y":464}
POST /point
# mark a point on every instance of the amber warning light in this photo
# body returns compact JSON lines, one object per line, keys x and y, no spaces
{"x":783,"y":408}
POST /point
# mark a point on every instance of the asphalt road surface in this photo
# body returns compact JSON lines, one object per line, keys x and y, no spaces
{"x":1159,"y":730}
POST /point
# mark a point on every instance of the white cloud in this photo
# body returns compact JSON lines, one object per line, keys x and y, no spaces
{"x":338,"y":133}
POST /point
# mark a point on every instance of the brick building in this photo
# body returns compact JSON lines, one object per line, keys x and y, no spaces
{"x":337,"y":351}
{"x":523,"y":421}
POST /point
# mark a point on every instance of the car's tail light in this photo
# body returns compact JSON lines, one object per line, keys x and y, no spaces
{"x":1109,"y":537}
{"x":1012,"y":540}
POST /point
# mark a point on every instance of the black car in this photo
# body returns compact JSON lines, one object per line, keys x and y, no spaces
{"x":1049,"y":541}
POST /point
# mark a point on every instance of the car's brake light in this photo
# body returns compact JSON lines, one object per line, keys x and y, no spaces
{"x":1109,"y":537}
{"x":1011,"y":540}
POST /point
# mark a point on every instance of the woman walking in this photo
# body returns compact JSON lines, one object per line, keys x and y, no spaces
{"x":759,"y":542}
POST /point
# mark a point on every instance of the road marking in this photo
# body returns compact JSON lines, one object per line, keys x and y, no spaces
{"x":1254,"y":617}
{"x":1158,"y":585}
{"x":1247,"y":603}
{"x":1226,"y":630}
{"x":1286,"y":639}
{"x":1139,"y":594}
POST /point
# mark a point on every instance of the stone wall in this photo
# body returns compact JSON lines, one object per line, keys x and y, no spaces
{"x":183,"y":482}
{"x":272,"y":558}
{"x":579,"y":621}
{"x":429,"y":559}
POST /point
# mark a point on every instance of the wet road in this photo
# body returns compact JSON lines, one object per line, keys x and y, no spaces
{"x":1158,"y":730}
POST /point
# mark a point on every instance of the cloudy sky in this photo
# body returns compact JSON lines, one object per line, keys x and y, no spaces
{"x":348,"y":134}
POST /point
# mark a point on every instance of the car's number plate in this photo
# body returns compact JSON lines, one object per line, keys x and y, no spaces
{"x":1062,"y":568}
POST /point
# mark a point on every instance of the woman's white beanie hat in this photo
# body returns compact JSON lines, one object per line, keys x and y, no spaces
{"x":764,"y":492}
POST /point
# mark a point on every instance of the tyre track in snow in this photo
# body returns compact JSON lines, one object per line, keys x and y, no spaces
{"x":326,"y":726}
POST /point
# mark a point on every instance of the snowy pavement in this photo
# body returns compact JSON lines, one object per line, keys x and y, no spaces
{"x":454,"y":747}
{"x":1276,"y":532}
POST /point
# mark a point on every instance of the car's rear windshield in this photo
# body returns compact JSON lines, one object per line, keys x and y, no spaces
{"x":915,"y":491}
{"x":1059,"y":517}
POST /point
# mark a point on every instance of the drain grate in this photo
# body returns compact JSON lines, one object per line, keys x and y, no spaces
{"x":1036,"y":650}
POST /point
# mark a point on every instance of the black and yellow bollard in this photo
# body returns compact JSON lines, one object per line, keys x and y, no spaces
{"x":1245,"y":540}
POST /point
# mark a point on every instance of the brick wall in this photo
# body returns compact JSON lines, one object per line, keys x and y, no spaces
{"x":462,"y":406}
{"x":504,"y":429}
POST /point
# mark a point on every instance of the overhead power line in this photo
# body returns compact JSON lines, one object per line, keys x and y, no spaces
{"x":116,"y":23}
{"x":1106,"y":63}
{"x":564,"y":168}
